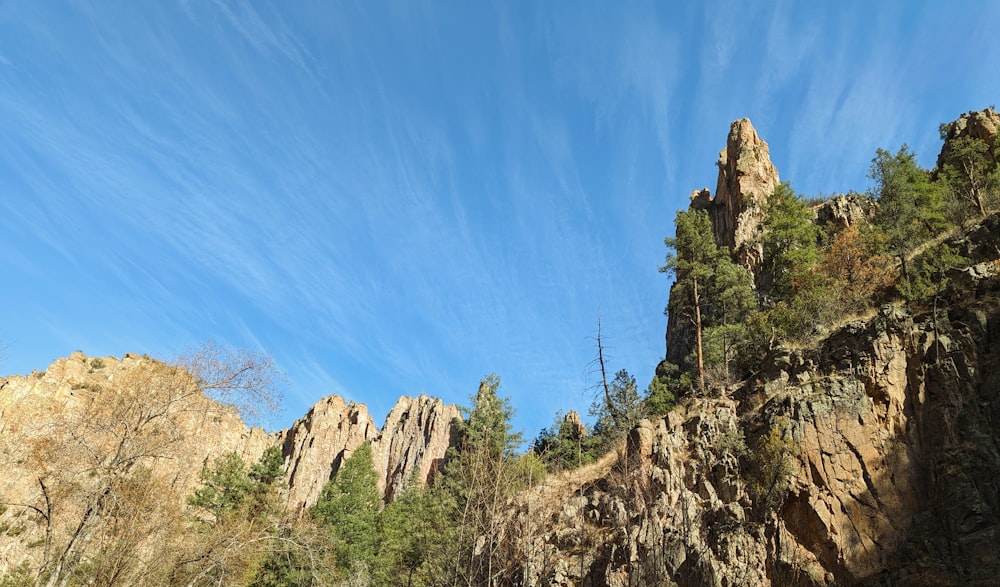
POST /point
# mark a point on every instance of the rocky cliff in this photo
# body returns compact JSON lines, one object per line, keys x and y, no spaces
{"x":413,"y":440}
{"x":747,"y":178}
{"x":870,"y":458}
{"x":983,"y":125}
{"x":890,"y":428}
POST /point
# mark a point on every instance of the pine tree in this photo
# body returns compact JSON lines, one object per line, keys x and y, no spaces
{"x":790,"y":245}
{"x":617,"y":416}
{"x":417,"y":533}
{"x":911,"y":209}
{"x":480,"y":476}
{"x":710,"y":290}
{"x":349,"y":505}
{"x":972,"y":177}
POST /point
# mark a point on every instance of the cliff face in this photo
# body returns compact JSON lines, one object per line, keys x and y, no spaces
{"x":891,"y":425}
{"x":413,"y":440}
{"x":889,"y":428}
{"x":41,"y":404}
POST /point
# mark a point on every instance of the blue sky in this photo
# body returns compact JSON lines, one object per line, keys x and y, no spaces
{"x":397,"y":198}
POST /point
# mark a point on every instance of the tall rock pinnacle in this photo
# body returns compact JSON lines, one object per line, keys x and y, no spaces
{"x":747,"y":178}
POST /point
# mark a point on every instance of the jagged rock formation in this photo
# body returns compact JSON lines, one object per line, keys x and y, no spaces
{"x":747,"y":178}
{"x":845,"y":210}
{"x":318,"y":443}
{"x":414,"y":439}
{"x":572,"y":418}
{"x":894,"y":420}
{"x":982,"y":124}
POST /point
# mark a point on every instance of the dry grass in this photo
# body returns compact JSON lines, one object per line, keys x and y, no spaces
{"x":548,"y":496}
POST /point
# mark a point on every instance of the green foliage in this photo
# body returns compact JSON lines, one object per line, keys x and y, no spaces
{"x":418,"y":530}
{"x":911,"y":209}
{"x":624,"y":411}
{"x":529,"y":469}
{"x":710,"y":290}
{"x":225,"y":487}
{"x":770,"y":465}
{"x":660,"y":397}
{"x":971,"y":176}
{"x":565,"y":445}
{"x":790,"y":245}
{"x":481,"y":476}
{"x":230,"y":489}
{"x":487,"y":426}
{"x":694,"y":250}
{"x":928,"y":273}
{"x":349,"y":505}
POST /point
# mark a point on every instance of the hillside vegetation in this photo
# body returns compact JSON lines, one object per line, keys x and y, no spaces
{"x":824,"y":415}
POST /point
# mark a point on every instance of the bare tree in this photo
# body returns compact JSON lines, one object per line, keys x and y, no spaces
{"x":107,"y":461}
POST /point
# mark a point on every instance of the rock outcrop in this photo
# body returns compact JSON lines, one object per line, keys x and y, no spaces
{"x":890,"y":424}
{"x":845,"y":210}
{"x":747,"y":178}
{"x":982,"y":124}
{"x":318,"y":443}
{"x":414,"y":439}
{"x":69,"y":385}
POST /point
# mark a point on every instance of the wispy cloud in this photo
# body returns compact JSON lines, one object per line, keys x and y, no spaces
{"x":404,"y":198}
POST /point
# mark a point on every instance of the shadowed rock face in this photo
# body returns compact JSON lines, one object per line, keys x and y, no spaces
{"x":897,"y":456}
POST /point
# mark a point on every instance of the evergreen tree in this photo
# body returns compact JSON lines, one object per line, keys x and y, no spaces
{"x":349,"y":505}
{"x":911,"y":209}
{"x":488,"y":425}
{"x":230,"y":488}
{"x":623,"y":413}
{"x":481,"y":475}
{"x":225,"y":487}
{"x":660,"y":397}
{"x":972,"y":176}
{"x":733,"y":299}
{"x":790,"y":244}
{"x":245,"y":541}
{"x":565,"y":445}
{"x":417,"y":533}
{"x":709,"y":290}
